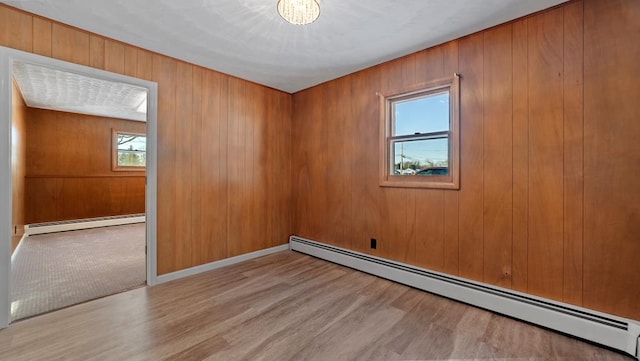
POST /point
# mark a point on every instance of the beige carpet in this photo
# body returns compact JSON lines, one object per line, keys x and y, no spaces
{"x":56,"y":270}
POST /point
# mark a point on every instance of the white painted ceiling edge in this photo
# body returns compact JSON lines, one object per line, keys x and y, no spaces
{"x":248,"y":38}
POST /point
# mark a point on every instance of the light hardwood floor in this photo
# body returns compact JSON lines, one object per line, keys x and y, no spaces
{"x":286,"y":306}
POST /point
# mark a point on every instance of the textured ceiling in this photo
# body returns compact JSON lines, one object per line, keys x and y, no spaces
{"x":46,"y":88}
{"x":248,"y":39}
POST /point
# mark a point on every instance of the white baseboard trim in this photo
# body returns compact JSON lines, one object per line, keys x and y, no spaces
{"x":605,"y":329}
{"x":218,"y":264}
{"x":74,"y":225}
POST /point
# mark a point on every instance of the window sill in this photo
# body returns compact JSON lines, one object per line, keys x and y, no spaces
{"x":413,"y":182}
{"x":128,"y":169}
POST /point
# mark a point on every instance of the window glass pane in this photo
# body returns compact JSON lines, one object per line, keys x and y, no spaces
{"x":426,"y":114}
{"x":425,"y":157}
{"x":132,"y":150}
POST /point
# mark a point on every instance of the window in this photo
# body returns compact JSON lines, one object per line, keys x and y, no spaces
{"x":129,"y":151}
{"x":420,"y":137}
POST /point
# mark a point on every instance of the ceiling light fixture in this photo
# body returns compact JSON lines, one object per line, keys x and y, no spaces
{"x":299,"y":12}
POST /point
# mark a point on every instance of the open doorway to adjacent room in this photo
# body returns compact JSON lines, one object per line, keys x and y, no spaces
{"x":82,"y":159}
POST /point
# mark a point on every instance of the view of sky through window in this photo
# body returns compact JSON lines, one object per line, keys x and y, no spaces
{"x":422,"y":115}
{"x":426,"y":114}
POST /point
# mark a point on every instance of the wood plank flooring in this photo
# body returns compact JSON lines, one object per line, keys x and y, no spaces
{"x":285,"y":306}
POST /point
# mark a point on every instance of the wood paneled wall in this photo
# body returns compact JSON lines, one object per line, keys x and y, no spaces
{"x":68,"y":172}
{"x":611,"y":156}
{"x":224,"y":167}
{"x":549,"y":202}
{"x":18,"y":165}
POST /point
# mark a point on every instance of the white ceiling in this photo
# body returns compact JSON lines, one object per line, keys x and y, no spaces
{"x":46,"y":88}
{"x":248,"y":39}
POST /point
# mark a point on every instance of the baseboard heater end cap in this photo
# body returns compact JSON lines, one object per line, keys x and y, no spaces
{"x":633,"y":339}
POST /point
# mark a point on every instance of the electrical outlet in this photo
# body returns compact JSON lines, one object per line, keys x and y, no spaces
{"x":374,"y":243}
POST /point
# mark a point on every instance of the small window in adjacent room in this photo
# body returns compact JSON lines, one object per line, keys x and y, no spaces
{"x":421,"y":136}
{"x":129,"y":151}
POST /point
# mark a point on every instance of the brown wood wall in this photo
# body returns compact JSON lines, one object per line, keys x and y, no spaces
{"x":18,"y":166}
{"x":549,"y":201}
{"x":68,"y":172}
{"x":223,"y":144}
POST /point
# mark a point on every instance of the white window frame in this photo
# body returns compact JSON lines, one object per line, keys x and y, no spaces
{"x":114,"y":152}
{"x":388,"y":139}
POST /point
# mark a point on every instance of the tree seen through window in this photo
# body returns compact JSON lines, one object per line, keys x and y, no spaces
{"x":131,"y":150}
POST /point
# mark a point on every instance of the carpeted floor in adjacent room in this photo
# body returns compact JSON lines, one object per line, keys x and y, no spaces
{"x":56,"y":270}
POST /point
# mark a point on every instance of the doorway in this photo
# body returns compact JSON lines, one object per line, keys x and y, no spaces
{"x":8,"y":60}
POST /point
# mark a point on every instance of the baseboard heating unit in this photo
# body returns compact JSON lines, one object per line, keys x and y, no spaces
{"x":608,"y":330}
{"x":78,"y":224}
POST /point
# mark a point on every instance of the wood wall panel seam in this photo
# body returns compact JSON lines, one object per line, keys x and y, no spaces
{"x":573,"y":153}
{"x":520,"y":171}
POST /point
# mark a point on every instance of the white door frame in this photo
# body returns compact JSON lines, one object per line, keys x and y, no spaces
{"x":7,"y":57}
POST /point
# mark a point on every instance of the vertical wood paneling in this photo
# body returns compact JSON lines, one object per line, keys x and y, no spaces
{"x":470,"y":200}
{"x":183,"y":198}
{"x":430,"y":64}
{"x":301,"y":103}
{"x":429,"y":235}
{"x":62,"y":198}
{"x":56,"y":152}
{"x":83,"y":144}
{"x":237,"y":195}
{"x":545,"y":68}
{"x":520,"y":127}
{"x":282,"y":217}
{"x":96,"y":51}
{"x":164,"y":73}
{"x":145,"y":65}
{"x":70,"y":44}
{"x":278,"y":175}
{"x":573,"y":152}
{"x":16,"y":30}
{"x":397,"y":234}
{"x":213,"y":167}
{"x":308,"y":163}
{"x":114,"y":56}
{"x":57,"y":143}
{"x":338,"y":169}
{"x":257,"y":151}
{"x":497,"y":155}
{"x":365,"y":195}
{"x":130,"y":61}
{"x":245,"y":121}
{"x":451,"y":220}
{"x":611,"y":156}
{"x":41,"y":36}
{"x":199,"y":249}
